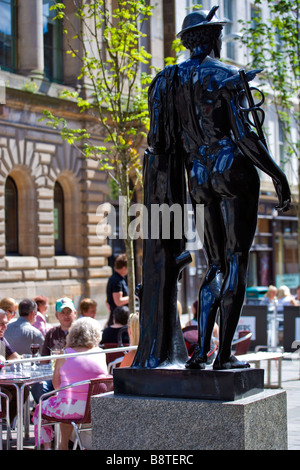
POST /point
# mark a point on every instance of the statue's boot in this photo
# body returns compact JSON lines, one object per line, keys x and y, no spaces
{"x":197,"y":360}
{"x":230,"y":363}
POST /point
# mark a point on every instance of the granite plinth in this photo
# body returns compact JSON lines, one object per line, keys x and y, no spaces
{"x":207,"y":384}
{"x":132,"y":423}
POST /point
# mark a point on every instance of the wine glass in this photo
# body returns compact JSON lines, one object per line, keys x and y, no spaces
{"x":35,"y":351}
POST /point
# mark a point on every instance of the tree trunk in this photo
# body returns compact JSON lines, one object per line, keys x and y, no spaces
{"x":298,"y":216}
{"x":125,"y":218}
{"x":131,"y":274}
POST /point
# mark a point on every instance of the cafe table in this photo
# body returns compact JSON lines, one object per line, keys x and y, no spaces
{"x":20,"y":379}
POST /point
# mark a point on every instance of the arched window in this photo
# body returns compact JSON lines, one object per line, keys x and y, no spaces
{"x":11,"y":217}
{"x":59,"y":220}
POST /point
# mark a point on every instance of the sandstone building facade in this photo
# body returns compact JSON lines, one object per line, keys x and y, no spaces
{"x":50,"y":196}
{"x":50,"y":225}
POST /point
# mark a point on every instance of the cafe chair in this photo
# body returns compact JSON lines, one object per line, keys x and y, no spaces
{"x":111,"y":356}
{"x":242,"y":344}
{"x":96,"y":387}
{"x":190,"y":335}
{"x":4,"y":415}
{"x":116,"y":363}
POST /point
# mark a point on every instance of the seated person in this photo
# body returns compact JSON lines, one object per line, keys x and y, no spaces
{"x":285,"y":298}
{"x":55,"y":339}
{"x":10,"y":306}
{"x":21,"y":333}
{"x":120,"y":319}
{"x":88,"y":308}
{"x":41,"y":319}
{"x":84,"y":335}
{"x":194,"y":320}
{"x":134,"y":336}
{"x":7,"y":353}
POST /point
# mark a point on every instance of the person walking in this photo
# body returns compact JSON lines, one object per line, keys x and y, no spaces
{"x":117,"y":289}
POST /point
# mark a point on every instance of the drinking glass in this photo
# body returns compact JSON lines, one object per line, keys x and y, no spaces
{"x":55,"y":352}
{"x":35,"y":351}
{"x":26,"y":365}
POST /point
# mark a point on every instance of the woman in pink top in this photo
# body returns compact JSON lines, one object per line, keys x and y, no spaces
{"x":84,"y":335}
{"x":40,"y":320}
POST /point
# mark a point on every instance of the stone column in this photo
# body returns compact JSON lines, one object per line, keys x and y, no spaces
{"x":31,"y":42}
{"x":169,"y":25}
{"x":72,"y":65}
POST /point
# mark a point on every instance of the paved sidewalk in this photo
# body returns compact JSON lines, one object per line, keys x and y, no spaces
{"x":291,"y":383}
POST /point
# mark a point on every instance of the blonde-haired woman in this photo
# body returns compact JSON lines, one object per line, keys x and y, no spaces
{"x":134,"y":336}
{"x":84,"y":335}
{"x":285,"y":298}
{"x":270,"y":298}
{"x":10,"y":306}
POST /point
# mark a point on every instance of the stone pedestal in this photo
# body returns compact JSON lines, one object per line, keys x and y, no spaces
{"x":258,"y":422}
{"x":208,"y":384}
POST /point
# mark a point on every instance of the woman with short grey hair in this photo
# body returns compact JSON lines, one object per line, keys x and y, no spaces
{"x":84,"y":332}
{"x":84,"y":335}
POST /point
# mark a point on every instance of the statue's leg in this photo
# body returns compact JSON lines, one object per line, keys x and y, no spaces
{"x":240,"y":215}
{"x":210,"y":289}
{"x":230,"y":307}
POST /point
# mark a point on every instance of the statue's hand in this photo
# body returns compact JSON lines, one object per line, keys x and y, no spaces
{"x":251,"y":74}
{"x":283,"y":194}
{"x":235,"y":80}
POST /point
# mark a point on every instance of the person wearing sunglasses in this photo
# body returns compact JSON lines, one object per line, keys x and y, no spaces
{"x":10,"y":306}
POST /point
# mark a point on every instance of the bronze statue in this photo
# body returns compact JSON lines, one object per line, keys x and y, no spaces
{"x":199,"y":124}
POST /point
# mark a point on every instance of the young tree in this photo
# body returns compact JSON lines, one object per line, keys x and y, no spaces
{"x":274,"y":46}
{"x":111,"y":54}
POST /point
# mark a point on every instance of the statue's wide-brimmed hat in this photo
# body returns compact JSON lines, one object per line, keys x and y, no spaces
{"x":201,"y":18}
